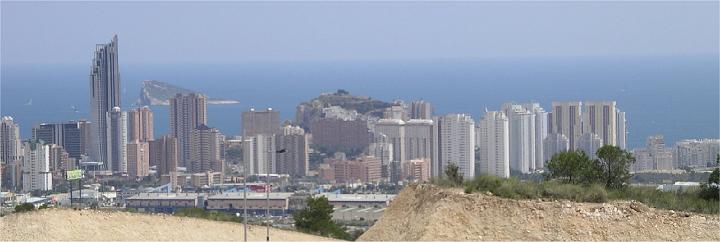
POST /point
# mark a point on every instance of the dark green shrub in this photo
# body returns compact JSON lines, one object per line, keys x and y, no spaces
{"x":25,"y":207}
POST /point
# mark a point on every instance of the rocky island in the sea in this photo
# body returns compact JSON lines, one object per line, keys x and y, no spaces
{"x":158,"y":93}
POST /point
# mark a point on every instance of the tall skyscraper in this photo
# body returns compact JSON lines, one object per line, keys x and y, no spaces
{"x":104,"y":95}
{"x":553,"y":144}
{"x":73,"y":136}
{"x":116,"y":141}
{"x":522,"y":137}
{"x":601,"y":118}
{"x":566,"y":120}
{"x":138,"y":159}
{"x":205,"y":150}
{"x":589,"y":143}
{"x":456,"y":144}
{"x":294,"y":161}
{"x":494,"y":144}
{"x":36,"y":175}
{"x":10,"y":152}
{"x":164,"y":154}
{"x":260,"y":122}
{"x":140,"y":124}
{"x":421,"y":109}
{"x":187,"y":112}
{"x":621,"y":130}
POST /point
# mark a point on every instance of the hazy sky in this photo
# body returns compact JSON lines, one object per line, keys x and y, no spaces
{"x":55,"y":32}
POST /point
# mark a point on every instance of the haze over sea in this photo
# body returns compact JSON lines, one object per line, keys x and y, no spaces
{"x":676,"y":96}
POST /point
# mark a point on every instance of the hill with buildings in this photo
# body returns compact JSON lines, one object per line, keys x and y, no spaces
{"x":340,"y":104}
{"x":92,"y":225}
{"x":158,"y":93}
{"x":426,"y":212}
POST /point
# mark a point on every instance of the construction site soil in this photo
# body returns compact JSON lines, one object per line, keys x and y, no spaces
{"x":426,"y":212}
{"x":92,"y":225}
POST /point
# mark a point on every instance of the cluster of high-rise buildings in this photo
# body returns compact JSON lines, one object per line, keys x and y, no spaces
{"x":402,"y":142}
{"x":114,"y":141}
{"x":685,"y":154}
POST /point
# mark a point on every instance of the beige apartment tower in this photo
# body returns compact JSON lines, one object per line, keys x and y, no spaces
{"x":138,"y":156}
{"x":140,"y":125}
{"x":164,"y":155}
{"x":205,"y":150}
{"x":187,"y":112}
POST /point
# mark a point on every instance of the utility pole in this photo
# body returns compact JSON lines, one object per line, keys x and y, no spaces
{"x":267,"y":193}
{"x":245,"y":221}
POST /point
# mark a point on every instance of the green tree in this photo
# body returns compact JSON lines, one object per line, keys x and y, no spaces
{"x":615,"y":164}
{"x":316,"y":218}
{"x":573,"y":167}
{"x":452,"y":172}
{"x":711,"y":190}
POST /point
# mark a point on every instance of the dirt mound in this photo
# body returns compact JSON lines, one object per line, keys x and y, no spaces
{"x":89,"y":225}
{"x":425,"y":212}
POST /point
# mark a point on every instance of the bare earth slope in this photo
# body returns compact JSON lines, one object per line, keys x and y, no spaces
{"x":425,"y":212}
{"x":88,"y":225}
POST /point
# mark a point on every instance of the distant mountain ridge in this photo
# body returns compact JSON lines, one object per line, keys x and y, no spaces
{"x":155,"y":92}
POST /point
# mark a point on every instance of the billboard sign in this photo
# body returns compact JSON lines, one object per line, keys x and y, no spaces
{"x":74,"y":174}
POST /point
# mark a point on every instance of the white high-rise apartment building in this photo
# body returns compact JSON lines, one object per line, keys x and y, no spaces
{"x":10,"y":153}
{"x":600,"y":117}
{"x":294,"y":161}
{"x":566,"y":120}
{"x":655,"y":156}
{"x":695,"y":152}
{"x":259,"y":151}
{"x":394,"y":130}
{"x":419,"y":140}
{"x":421,"y":109}
{"x":36,"y":174}
{"x":382,"y":149}
{"x":621,"y":129}
{"x":522,"y":137}
{"x":589,"y":143}
{"x":116,"y":141}
{"x":553,"y":144}
{"x":494,"y":144}
{"x":456,"y":144}
{"x":541,"y":132}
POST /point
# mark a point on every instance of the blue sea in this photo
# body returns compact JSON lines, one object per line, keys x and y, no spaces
{"x":677,"y":96}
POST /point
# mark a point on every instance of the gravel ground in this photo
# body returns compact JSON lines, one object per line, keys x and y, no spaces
{"x":425,"y":212}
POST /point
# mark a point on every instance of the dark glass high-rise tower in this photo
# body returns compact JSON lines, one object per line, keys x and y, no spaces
{"x":105,"y":94}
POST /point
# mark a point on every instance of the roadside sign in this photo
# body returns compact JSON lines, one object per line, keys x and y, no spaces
{"x":74,"y":174}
